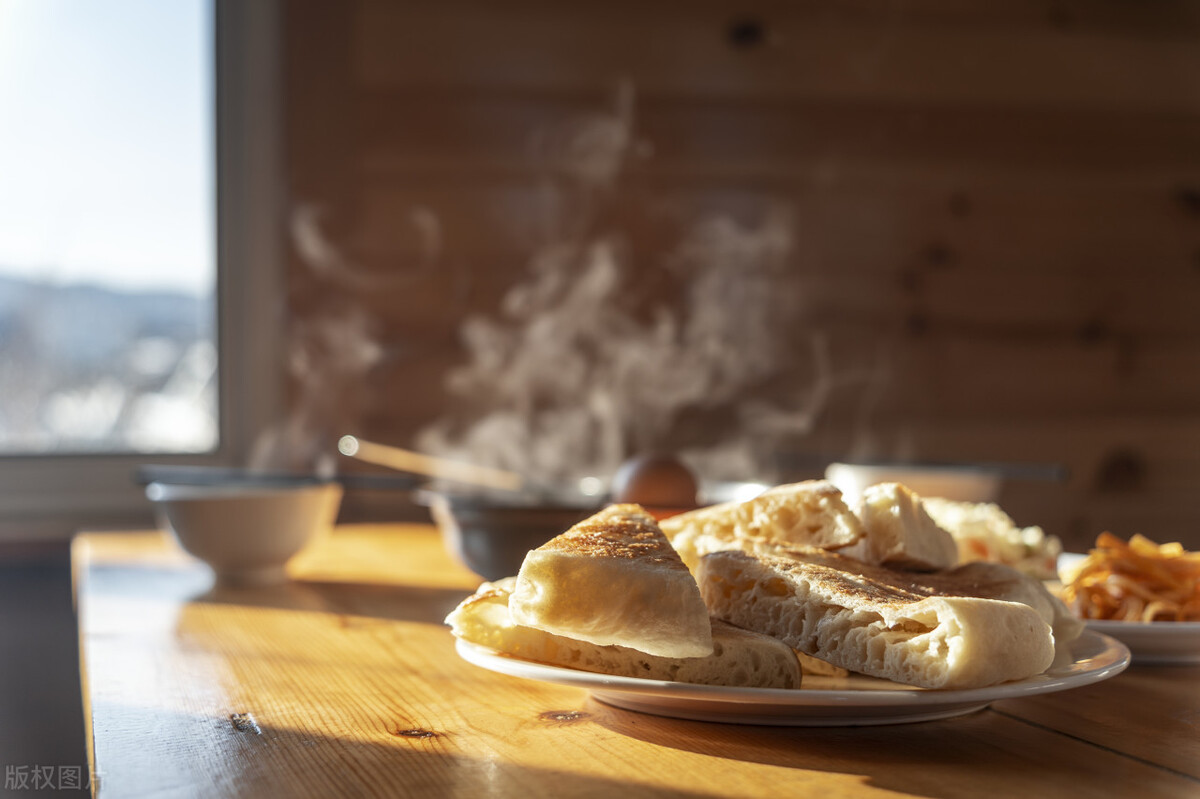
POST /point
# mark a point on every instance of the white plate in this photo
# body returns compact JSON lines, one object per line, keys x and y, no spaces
{"x":823,"y":701}
{"x":1151,"y":642}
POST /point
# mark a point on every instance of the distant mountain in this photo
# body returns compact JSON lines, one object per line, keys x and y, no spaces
{"x":78,"y":324}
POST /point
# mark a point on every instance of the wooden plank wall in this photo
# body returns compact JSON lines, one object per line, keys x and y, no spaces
{"x":982,"y":220}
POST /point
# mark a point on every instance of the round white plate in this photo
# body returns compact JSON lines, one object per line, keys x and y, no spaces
{"x":823,"y":701}
{"x":1151,"y":642}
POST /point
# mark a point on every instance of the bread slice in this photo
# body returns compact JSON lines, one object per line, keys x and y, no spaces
{"x":810,"y":514}
{"x":985,"y":532}
{"x":899,"y":531}
{"x":614,"y":579}
{"x":920,"y":629}
{"x":739,"y":657}
{"x":1001,"y":581}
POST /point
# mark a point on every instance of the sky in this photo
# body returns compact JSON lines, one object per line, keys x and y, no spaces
{"x":106,"y":142}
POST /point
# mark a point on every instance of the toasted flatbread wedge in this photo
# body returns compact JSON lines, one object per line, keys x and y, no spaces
{"x":899,"y":531}
{"x":985,"y":532}
{"x":808,"y":514}
{"x":739,"y":658}
{"x":1001,"y":581}
{"x":926,"y":630}
{"x":614,"y":579}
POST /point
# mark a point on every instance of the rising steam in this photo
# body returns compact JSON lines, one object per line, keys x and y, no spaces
{"x":574,"y":373}
{"x":577,"y":369}
{"x":331,"y":350}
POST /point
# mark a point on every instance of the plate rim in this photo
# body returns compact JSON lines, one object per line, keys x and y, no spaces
{"x":1159,"y":643}
{"x":1165,"y":627}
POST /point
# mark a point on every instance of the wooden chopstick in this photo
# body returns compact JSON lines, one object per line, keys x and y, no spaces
{"x":419,"y":463}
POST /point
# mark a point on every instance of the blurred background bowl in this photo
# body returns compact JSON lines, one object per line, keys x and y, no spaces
{"x":491,"y":532}
{"x":964,"y":483}
{"x":246,"y":531}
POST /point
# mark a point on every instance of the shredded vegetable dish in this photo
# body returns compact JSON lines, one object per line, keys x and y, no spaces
{"x":1136,"y":581}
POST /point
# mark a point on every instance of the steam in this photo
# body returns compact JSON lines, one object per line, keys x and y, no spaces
{"x":575,"y":373}
{"x":332,"y":349}
{"x":582,"y":365}
{"x":331,"y":266}
{"x":328,"y":359}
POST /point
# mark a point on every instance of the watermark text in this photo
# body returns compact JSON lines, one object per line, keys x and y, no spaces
{"x":41,"y":778}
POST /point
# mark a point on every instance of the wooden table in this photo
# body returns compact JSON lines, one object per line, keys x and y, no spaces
{"x":344,"y":682}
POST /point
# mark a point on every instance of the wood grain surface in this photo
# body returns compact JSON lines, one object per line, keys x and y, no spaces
{"x":344,"y":682}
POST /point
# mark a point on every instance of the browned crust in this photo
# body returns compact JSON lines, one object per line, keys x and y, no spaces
{"x":623,"y":531}
{"x":880,"y":586}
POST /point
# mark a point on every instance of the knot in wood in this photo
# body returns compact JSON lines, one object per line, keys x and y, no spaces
{"x":562,"y":715}
{"x":415,"y":732}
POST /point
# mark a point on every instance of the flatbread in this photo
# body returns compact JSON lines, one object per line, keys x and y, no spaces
{"x":899,"y":531}
{"x":1001,"y":581}
{"x":614,"y":579}
{"x":983,"y":531}
{"x":810,"y":513}
{"x":739,"y":657}
{"x":918,"y":629}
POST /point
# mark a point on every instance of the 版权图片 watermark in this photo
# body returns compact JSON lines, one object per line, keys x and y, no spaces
{"x":40,"y":778}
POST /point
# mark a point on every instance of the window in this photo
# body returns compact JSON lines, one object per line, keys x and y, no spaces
{"x":108,"y":246}
{"x":136,"y":243}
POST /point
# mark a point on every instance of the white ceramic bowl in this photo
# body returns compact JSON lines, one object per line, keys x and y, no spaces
{"x":962,"y":483}
{"x":246,"y":533}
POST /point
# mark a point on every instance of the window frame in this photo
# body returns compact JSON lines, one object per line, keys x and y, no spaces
{"x":47,"y":497}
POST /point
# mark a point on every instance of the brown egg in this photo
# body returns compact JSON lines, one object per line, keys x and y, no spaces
{"x":660,"y":483}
